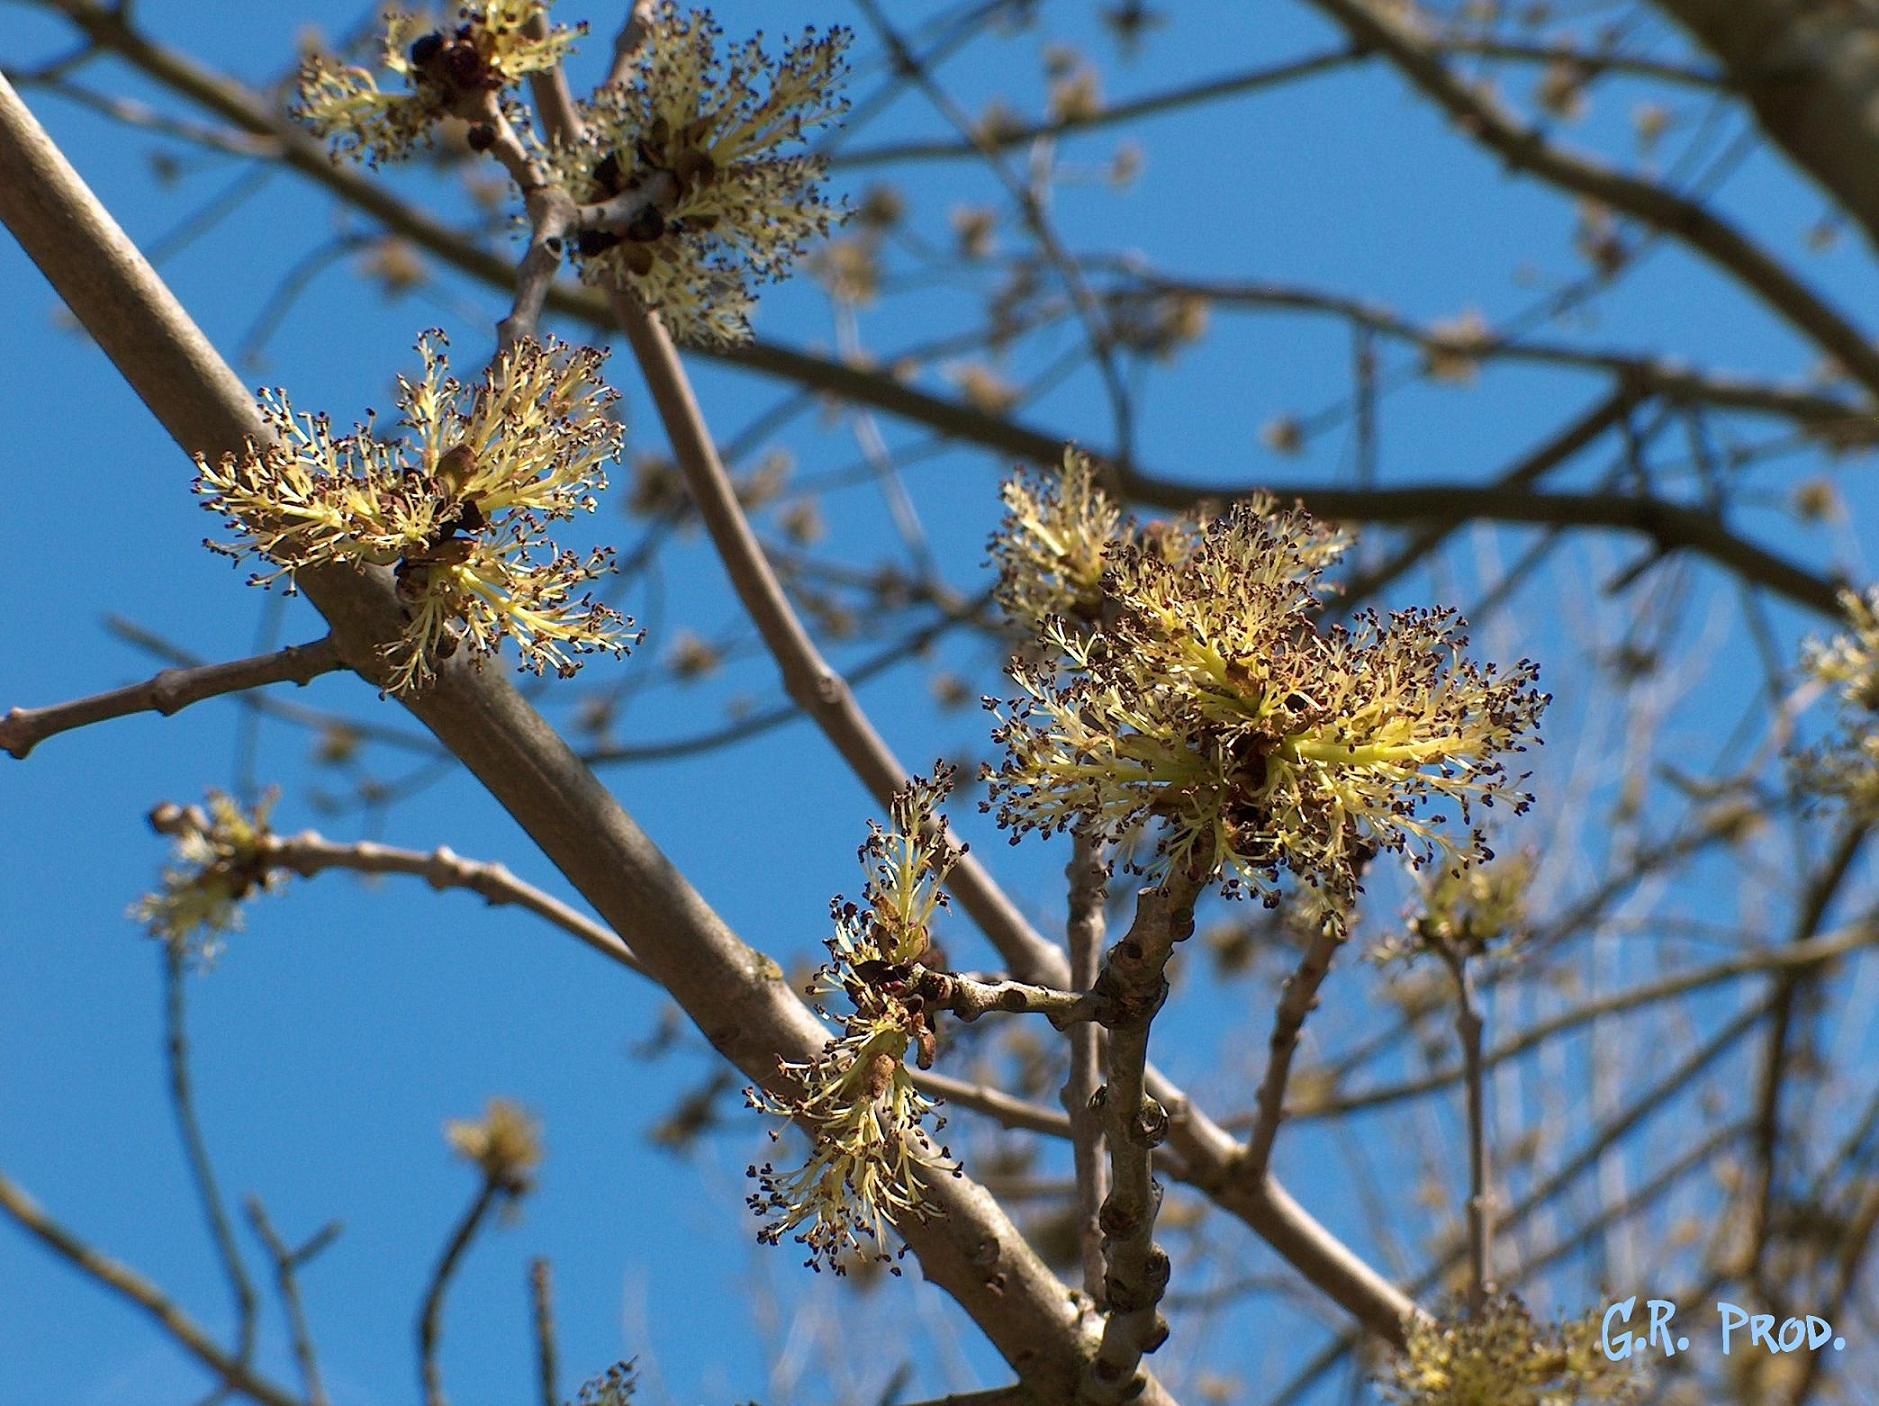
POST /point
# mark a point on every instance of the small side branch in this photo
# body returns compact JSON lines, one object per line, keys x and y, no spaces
{"x":1296,"y":1001}
{"x":547,"y":1355}
{"x":431,"y":1314}
{"x":1480,"y":1225}
{"x":196,"y":1151}
{"x":287,"y":1262}
{"x":128,"y":1284}
{"x":169,"y":692}
{"x":969,"y":998}
{"x":1136,"y":1269}
{"x":310,"y":853}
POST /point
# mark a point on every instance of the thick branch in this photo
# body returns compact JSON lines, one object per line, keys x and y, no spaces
{"x":1135,"y":1268}
{"x":169,"y":692}
{"x":1811,"y":72}
{"x":1088,"y":873}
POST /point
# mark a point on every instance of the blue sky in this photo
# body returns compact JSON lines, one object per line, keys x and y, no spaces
{"x":351,"y":1020}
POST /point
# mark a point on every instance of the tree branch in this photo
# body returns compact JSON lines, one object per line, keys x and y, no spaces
{"x":287,"y":1262}
{"x":1297,"y":999}
{"x":1135,"y":1268}
{"x":169,"y":692}
{"x":430,"y":1326}
{"x":1088,"y":874}
{"x":1525,"y":148}
{"x":129,"y":1284}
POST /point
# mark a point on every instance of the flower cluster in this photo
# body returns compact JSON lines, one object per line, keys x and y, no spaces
{"x":225,"y":855}
{"x":856,"y":1100}
{"x":698,"y":143}
{"x":460,"y":510}
{"x":505,"y":1145}
{"x":1467,"y":912}
{"x":1502,"y":1357}
{"x":613,"y":1387}
{"x":1846,"y":767}
{"x":1050,"y":548}
{"x":446,"y":71}
{"x":1209,"y":701}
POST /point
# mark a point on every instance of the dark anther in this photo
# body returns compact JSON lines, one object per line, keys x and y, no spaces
{"x":646,"y":226}
{"x":425,"y":48}
{"x":481,"y":137}
{"x":608,"y":175}
{"x":596,"y":241}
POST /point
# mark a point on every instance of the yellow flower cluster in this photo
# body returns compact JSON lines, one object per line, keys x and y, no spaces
{"x":702,"y":141}
{"x":1050,"y":548}
{"x":1502,"y":1357}
{"x":1846,"y":767}
{"x":446,"y":71}
{"x":224,"y":855}
{"x":1207,"y":705}
{"x":869,"y":1148}
{"x":460,"y":510}
{"x":1467,"y":912}
{"x":505,"y":1144}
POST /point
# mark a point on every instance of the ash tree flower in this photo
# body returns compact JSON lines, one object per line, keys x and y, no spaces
{"x":224,"y":856}
{"x":460,"y":509}
{"x":1207,"y":706}
{"x":448,"y":71}
{"x":700,"y":144}
{"x":1502,"y":1357}
{"x":504,"y":1144}
{"x":869,"y":1148}
{"x":1846,"y":766}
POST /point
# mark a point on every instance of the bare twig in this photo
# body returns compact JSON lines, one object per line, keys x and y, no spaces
{"x":196,"y":1152}
{"x":169,"y":692}
{"x":1480,"y":1215}
{"x":1297,"y":999}
{"x":970,"y":997}
{"x":1526,"y":148}
{"x":1187,"y":95}
{"x":1811,"y":953}
{"x":310,"y":853}
{"x":287,"y":1262}
{"x":430,"y":1326}
{"x":547,"y":1357}
{"x":808,"y":679}
{"x":1088,"y":874}
{"x":126,"y":1282}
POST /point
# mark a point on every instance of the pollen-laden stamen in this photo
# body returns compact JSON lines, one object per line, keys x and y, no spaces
{"x":460,"y":510}
{"x":1196,"y":698}
{"x":870,"y":1153}
{"x":710,"y":137}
